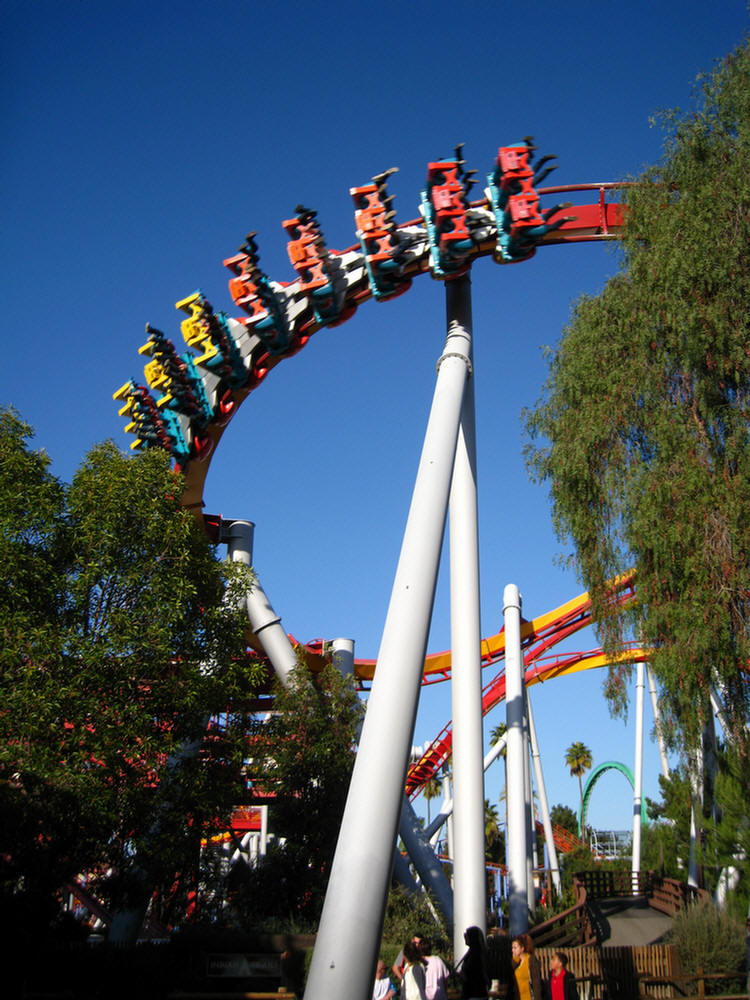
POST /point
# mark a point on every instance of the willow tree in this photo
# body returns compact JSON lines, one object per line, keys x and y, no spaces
{"x":642,"y":428}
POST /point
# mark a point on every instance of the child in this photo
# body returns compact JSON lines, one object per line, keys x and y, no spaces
{"x":383,"y":988}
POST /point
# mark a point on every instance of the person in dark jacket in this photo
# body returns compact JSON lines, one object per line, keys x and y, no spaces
{"x":562,"y":982}
{"x":472,"y":969}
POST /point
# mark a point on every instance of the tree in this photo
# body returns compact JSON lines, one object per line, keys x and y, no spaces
{"x":497,"y":734}
{"x":641,"y":431}
{"x":565,"y":817}
{"x":431,"y":789}
{"x":119,"y":643}
{"x":578,"y":761}
{"x":302,"y":759}
{"x":494,"y":836}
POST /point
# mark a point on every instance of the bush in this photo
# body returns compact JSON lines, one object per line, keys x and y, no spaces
{"x":405,"y":916}
{"x":710,"y":939}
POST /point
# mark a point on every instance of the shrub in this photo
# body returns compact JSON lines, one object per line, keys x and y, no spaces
{"x":710,"y":939}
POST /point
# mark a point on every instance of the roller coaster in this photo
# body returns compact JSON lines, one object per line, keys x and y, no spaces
{"x":190,"y":398}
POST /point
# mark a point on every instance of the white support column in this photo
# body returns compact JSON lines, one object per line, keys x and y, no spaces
{"x":543,"y":805}
{"x":346,"y":951}
{"x":695,"y":773}
{"x":343,"y":656}
{"x":264,"y":621}
{"x":638,"y":772}
{"x":517,"y":846}
{"x":657,"y":721}
{"x":469,"y":878}
{"x":531,"y":859}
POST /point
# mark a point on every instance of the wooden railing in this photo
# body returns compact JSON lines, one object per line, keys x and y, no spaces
{"x":608,"y":884}
{"x":670,"y":896}
{"x":573,"y":926}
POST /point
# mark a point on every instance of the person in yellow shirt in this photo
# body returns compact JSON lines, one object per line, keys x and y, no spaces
{"x":526,"y":982}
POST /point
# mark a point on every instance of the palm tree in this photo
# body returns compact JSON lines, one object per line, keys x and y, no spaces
{"x":497,"y":734}
{"x":578,"y":760}
{"x":431,"y":789}
{"x":491,"y":825}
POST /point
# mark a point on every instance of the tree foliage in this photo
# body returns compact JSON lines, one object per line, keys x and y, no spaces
{"x":642,"y":429}
{"x":302,"y":759}
{"x":120,"y":639}
{"x":564,"y":816}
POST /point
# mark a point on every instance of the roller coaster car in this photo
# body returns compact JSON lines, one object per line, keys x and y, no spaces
{"x":152,"y":427}
{"x":244,"y":290}
{"x":176,"y":377}
{"x":307,"y":253}
{"x":251,"y":291}
{"x":447,"y":194}
{"x":209,"y":332}
{"x":519,"y":220}
{"x":379,"y":239}
{"x":445,"y":205}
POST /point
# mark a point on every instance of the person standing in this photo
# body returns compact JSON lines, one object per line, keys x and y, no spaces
{"x":398,"y":966}
{"x":526,"y":981}
{"x":472,"y":969}
{"x":436,"y":972}
{"x":562,"y":982}
{"x":413,"y":983}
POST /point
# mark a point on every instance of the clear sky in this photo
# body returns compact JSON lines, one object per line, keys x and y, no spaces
{"x":143,"y":141}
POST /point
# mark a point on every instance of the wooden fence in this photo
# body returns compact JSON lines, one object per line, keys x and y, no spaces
{"x":619,"y":973}
{"x":648,"y":972}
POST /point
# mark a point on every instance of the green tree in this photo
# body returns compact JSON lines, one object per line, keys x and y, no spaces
{"x":494,"y":836}
{"x":302,"y":758}
{"x":565,"y":817}
{"x":118,"y":645}
{"x":642,"y":429}
{"x":431,"y":789}
{"x":578,"y":761}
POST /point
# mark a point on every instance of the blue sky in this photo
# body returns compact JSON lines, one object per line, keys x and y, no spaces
{"x":142,"y":141}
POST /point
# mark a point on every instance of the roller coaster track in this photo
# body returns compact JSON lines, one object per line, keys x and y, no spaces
{"x":537,"y":637}
{"x":201,"y":392}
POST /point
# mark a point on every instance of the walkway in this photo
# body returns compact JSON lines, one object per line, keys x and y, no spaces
{"x":630,"y":922}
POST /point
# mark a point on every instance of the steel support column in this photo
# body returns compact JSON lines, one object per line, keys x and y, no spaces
{"x":264,"y":621}
{"x":469,"y":888}
{"x":346,"y":951}
{"x":517,"y":845}
{"x":638,"y":776}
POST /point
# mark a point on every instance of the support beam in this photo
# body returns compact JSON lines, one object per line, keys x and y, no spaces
{"x":424,"y":860}
{"x":657,"y":721}
{"x":264,"y":621}
{"x":554,"y":868}
{"x":517,"y":846}
{"x":638,"y":772}
{"x":469,"y":877}
{"x":346,"y":951}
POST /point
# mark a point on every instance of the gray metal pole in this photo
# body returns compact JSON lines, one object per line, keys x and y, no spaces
{"x":517,"y":846}
{"x":424,"y":860}
{"x":638,"y":776}
{"x":343,"y":656}
{"x":469,"y":878}
{"x":346,"y":951}
{"x":543,"y":804}
{"x":531,"y":859}
{"x":657,"y":721}
{"x":264,"y":621}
